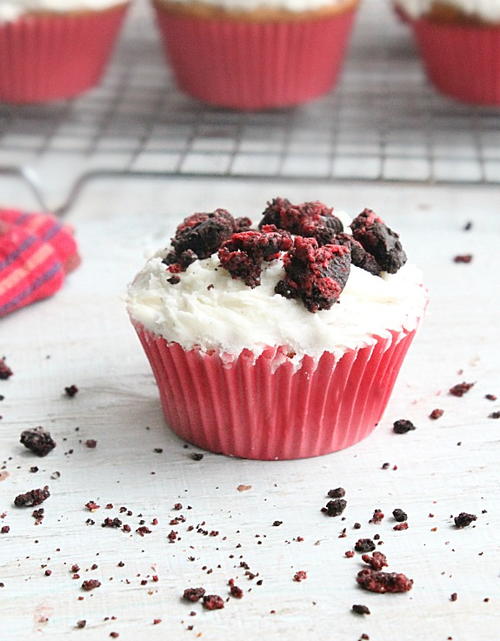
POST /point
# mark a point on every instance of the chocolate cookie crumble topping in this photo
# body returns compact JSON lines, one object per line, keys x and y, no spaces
{"x":379,"y":240}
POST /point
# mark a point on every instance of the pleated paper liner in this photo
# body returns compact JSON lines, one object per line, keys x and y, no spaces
{"x":51,"y":57}
{"x":263,"y":407}
{"x":255,"y":65}
{"x":462,"y":61}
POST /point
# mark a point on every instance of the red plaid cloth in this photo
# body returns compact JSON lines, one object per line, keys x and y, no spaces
{"x":36,"y":252}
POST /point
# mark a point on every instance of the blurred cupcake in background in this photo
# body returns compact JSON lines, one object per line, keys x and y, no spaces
{"x":459,"y":41}
{"x":55,"y":49}
{"x":255,"y":54}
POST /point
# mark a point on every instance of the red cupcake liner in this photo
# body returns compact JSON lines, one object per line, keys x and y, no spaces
{"x":254,"y":65}
{"x":262,"y":407}
{"x":51,"y":57}
{"x":462,"y":61}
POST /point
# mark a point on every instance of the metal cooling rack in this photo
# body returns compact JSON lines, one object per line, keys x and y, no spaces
{"x":383,"y":123}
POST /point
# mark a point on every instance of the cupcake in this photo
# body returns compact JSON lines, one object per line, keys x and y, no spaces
{"x":459,"y":41}
{"x":251,"y":54}
{"x":277,"y":342}
{"x":55,"y":49}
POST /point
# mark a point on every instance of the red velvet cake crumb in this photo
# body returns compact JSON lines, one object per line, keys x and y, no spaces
{"x":383,"y":582}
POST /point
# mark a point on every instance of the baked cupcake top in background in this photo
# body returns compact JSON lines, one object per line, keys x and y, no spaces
{"x":11,"y":10}
{"x":469,"y":11}
{"x":303,"y":279}
{"x":257,"y":9}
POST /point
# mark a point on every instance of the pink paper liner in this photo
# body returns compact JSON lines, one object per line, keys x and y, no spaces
{"x":462,"y":61}
{"x":254,"y":65}
{"x":51,"y":57}
{"x":263,"y":408}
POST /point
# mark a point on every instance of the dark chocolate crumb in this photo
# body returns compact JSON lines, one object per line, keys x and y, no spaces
{"x":360,"y":609}
{"x":197,"y":456}
{"x":364,"y":545}
{"x":33,"y":497}
{"x":174,"y":279}
{"x":81,"y":624}
{"x":334,"y":507}
{"x":454,"y":596}
{"x":71,"y":390}
{"x":468,"y":225}
{"x":463,"y":258}
{"x":490,"y":397}
{"x":460,"y":389}
{"x":402,"y":426}
{"x":399,"y":515}
{"x":437,"y":413}
{"x":91,"y":443}
{"x":38,"y":440}
{"x":464,"y":519}
{"x":494,"y":415}
{"x":277,"y":523}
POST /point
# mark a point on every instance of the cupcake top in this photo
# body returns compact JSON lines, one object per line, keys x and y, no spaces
{"x":301,"y":281}
{"x":10,"y":10}
{"x":484,"y":10}
{"x":266,"y":7}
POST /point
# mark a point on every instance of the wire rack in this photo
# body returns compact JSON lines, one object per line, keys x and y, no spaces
{"x":382,"y":123}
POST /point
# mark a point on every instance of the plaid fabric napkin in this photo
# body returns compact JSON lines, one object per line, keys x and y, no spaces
{"x":36,"y":253}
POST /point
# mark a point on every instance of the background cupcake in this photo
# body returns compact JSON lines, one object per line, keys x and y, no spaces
{"x":250,"y":54}
{"x":55,"y":49}
{"x":459,"y":41}
{"x":282,"y":342}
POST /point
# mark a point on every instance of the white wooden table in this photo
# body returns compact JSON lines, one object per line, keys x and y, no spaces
{"x":83,"y":337}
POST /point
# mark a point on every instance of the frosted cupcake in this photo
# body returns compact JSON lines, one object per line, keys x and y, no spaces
{"x":279,"y":342}
{"x":255,"y":54}
{"x":459,"y":41}
{"x":55,"y":49}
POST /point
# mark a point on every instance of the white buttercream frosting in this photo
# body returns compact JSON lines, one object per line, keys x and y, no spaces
{"x":487,"y":10}
{"x":231,"y":316}
{"x":10,"y":10}
{"x":252,"y":5}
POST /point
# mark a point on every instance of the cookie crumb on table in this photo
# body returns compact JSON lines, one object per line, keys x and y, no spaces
{"x":71,"y":391}
{"x":38,"y":440}
{"x":402,"y":426}
{"x":334,"y":507}
{"x":464,"y":519}
{"x":460,"y":389}
{"x":33,"y":497}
